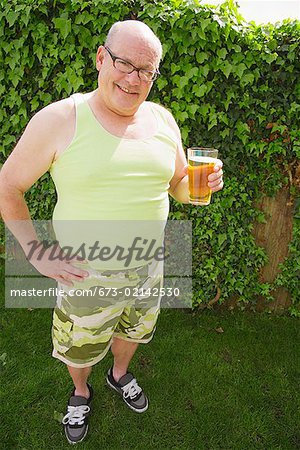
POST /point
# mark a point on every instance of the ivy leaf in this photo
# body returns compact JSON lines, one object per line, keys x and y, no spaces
{"x":34,"y":104}
{"x":204,"y":23}
{"x":161,"y":83}
{"x":247,"y":79}
{"x":221,"y":239}
{"x":175,"y":68}
{"x":204,"y":70}
{"x":14,"y":78}
{"x":39,"y":53}
{"x":63,"y":25}
{"x":270,"y":57}
{"x":226,"y":68}
{"x":199,"y":90}
{"x":11,"y":18}
{"x":212,"y":121}
{"x":193,"y":109}
{"x":224,"y":133}
{"x":182,"y":116}
{"x":231,"y":235}
{"x":201,"y":57}
{"x":192,"y":72}
{"x":240,"y":69}
{"x":222,"y":53}
{"x":203,"y":109}
{"x":183,"y":82}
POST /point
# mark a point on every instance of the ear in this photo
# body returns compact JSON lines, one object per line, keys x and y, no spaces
{"x":99,"y":57}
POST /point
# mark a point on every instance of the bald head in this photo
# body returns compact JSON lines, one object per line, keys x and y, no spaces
{"x":137,"y":30}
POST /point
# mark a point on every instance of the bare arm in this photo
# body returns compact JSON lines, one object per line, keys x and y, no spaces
{"x":30,"y":159}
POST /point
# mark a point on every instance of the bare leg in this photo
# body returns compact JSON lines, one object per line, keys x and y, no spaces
{"x":79,"y":377}
{"x":123,"y":352}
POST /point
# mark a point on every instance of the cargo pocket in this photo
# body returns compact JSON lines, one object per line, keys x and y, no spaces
{"x":62,"y":331}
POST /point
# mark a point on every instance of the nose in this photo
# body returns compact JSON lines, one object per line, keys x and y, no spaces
{"x":133,"y":77}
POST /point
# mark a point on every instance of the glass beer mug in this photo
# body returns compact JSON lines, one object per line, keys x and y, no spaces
{"x":201,"y":162}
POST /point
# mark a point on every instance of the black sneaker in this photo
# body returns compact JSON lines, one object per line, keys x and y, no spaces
{"x":76,"y":420}
{"x":131,"y":392}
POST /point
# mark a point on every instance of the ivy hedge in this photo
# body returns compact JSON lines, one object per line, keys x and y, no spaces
{"x":231,"y":85}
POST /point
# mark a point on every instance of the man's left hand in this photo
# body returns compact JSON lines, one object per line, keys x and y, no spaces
{"x":215,"y":180}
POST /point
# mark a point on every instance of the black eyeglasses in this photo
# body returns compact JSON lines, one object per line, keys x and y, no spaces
{"x":127,"y":67}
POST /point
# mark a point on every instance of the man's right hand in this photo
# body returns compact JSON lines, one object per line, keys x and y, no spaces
{"x":59,"y":268}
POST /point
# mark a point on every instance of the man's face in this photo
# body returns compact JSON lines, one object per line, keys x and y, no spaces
{"x":123,"y":93}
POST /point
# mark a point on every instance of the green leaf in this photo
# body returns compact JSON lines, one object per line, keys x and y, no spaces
{"x":39,"y":53}
{"x":221,"y":239}
{"x":270,"y":57}
{"x":192,"y":72}
{"x":203,"y":109}
{"x":222,"y":53}
{"x":193,"y":109}
{"x":240,"y":69}
{"x":34,"y":104}
{"x":63,"y":25}
{"x":226,"y":68}
{"x":231,"y":234}
{"x":204,"y":23}
{"x":204,"y":70}
{"x":11,"y":18}
{"x":199,"y":90}
{"x":224,"y":133}
{"x":212,"y":121}
{"x":15,"y":78}
{"x":161,"y":83}
{"x":201,"y":57}
{"x":247,"y":79}
{"x":182,"y":115}
{"x":183,"y":81}
{"x":12,"y":63}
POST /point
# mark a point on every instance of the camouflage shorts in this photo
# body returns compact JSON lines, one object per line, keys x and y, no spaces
{"x":107,"y":304}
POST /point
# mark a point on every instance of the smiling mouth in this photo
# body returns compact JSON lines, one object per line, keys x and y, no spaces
{"x":123,"y":89}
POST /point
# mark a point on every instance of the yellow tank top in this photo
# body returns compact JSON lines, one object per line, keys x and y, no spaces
{"x":101,"y":177}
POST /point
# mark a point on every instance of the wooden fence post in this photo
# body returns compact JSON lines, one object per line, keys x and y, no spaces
{"x":274,"y":236}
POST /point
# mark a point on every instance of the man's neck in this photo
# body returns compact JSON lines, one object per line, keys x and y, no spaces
{"x":100,"y":108}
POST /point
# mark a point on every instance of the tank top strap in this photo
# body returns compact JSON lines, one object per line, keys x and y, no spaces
{"x":81,"y":112}
{"x":158,"y":113}
{"x":164,"y":127}
{"x":78,"y":98}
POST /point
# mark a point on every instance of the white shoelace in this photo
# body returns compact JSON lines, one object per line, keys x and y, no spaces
{"x":75,"y":415}
{"x":131,"y":389}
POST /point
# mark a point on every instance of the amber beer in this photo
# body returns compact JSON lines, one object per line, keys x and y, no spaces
{"x":201,"y":164}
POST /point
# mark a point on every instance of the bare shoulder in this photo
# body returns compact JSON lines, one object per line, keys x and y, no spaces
{"x":56,"y":113}
{"x":36,"y":149}
{"x":57,"y":123}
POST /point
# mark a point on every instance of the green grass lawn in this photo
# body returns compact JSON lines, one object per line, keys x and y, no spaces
{"x":237,"y":389}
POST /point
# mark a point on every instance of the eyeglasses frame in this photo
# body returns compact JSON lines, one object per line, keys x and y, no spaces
{"x":156,"y":72}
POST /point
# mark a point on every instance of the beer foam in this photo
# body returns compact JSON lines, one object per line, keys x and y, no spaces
{"x":203,"y":159}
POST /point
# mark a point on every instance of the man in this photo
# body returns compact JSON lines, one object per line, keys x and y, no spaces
{"x":112,"y":156}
